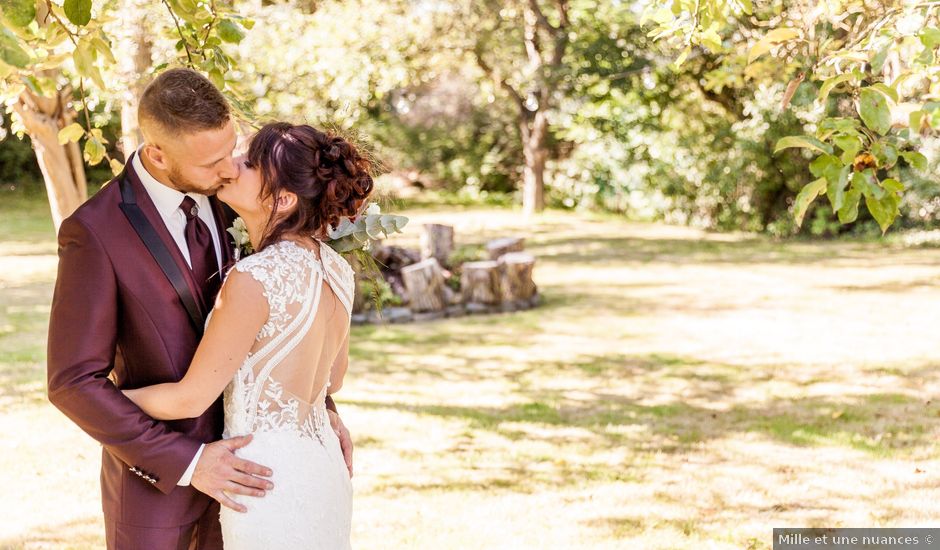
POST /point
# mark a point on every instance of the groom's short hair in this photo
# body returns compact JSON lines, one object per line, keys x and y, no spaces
{"x":182,"y":101}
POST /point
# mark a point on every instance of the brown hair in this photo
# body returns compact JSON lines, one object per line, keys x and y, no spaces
{"x":182,"y":101}
{"x":327,"y":173}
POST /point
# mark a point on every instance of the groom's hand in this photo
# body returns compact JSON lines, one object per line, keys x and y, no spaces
{"x":219,"y":472}
{"x":345,"y":440}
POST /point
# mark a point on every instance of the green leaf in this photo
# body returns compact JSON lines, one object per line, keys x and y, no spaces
{"x":682,"y":57}
{"x":229,"y":31}
{"x":890,"y":92}
{"x":10,"y":51}
{"x":930,"y":37}
{"x":884,"y":210}
{"x":774,"y":37}
{"x":94,"y":151}
{"x":831,"y":83}
{"x":849,"y":211}
{"x":72,"y":132}
{"x":850,"y":146}
{"x":879,"y":58}
{"x":835,"y":189}
{"x":84,"y":57}
{"x":863,"y":182}
{"x":892,"y":185}
{"x":915,"y":159}
{"x":78,"y":11}
{"x":806,"y":196}
{"x":217,"y":78}
{"x":19,"y":13}
{"x":886,"y":153}
{"x":103,"y":48}
{"x":826,"y":166}
{"x":804,"y":142}
{"x":873,"y":108}
{"x":116,"y":166}
{"x":915,"y":120}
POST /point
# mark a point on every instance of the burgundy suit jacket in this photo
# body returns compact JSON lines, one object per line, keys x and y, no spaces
{"x":117,"y":322}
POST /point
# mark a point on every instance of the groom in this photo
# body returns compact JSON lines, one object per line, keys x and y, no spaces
{"x":140,"y":264}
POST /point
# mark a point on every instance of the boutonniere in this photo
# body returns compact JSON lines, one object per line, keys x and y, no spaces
{"x":358,"y":232}
{"x":239,"y":231}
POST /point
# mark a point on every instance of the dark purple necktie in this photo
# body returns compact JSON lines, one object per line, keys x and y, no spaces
{"x":202,"y":257}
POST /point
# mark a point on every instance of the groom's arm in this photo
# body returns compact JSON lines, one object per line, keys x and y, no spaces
{"x":83,"y":328}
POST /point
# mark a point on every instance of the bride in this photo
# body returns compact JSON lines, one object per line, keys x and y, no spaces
{"x":278,"y":338}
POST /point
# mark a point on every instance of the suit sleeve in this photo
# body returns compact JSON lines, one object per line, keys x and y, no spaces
{"x":83,"y":327}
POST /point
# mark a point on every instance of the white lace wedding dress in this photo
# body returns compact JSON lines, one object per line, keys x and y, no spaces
{"x":278,"y":395}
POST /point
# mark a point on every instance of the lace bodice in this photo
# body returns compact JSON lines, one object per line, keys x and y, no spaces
{"x":282,"y":384}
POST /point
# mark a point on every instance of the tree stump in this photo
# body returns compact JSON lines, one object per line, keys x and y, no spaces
{"x":516,"y":282}
{"x":393,"y":258}
{"x":425,"y":285}
{"x":437,"y":241}
{"x":479,"y":282}
{"x":497,"y":247}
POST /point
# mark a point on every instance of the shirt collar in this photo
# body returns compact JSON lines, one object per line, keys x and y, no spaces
{"x":165,"y":198}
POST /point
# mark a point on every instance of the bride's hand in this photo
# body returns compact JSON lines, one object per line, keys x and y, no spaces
{"x":345,"y":440}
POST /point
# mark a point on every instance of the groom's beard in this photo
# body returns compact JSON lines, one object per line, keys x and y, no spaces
{"x":183,"y":185}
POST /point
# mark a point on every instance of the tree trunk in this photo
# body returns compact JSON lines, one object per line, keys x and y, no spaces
{"x":63,"y":169}
{"x":134,"y":66}
{"x":425,"y":284}
{"x":534,"y":134}
{"x":479,"y":282}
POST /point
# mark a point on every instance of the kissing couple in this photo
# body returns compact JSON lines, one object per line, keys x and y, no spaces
{"x":209,"y":381}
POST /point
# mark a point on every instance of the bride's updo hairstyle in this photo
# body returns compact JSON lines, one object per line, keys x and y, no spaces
{"x":328,"y":175}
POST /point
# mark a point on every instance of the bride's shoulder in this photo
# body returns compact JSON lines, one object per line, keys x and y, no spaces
{"x":335,"y":261}
{"x":261,"y":265}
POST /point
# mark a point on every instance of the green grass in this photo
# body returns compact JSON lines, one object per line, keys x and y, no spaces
{"x":676,"y":389}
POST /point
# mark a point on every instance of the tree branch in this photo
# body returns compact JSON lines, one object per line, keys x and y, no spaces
{"x":540,"y":17}
{"x":498,"y":79}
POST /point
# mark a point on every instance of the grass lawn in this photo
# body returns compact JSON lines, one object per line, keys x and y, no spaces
{"x":677,"y":389}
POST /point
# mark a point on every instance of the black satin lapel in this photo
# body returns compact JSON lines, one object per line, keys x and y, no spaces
{"x":159,"y":251}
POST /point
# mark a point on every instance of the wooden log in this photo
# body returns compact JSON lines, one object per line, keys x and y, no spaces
{"x":437,"y":241}
{"x":479,"y":282}
{"x":516,"y":276}
{"x":424,"y":283}
{"x":504,"y":245}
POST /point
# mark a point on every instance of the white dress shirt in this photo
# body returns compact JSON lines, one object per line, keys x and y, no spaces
{"x":168,"y":201}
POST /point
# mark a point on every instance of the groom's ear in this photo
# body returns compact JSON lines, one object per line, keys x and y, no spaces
{"x":156,"y":156}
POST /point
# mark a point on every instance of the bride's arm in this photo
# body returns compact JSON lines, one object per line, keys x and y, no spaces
{"x":240,"y":311}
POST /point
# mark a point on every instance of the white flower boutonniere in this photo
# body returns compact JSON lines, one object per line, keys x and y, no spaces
{"x":358,"y":232}
{"x":239,"y":231}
